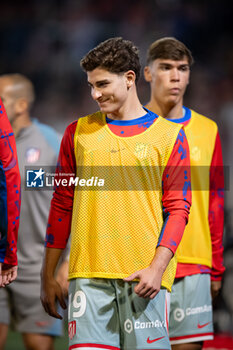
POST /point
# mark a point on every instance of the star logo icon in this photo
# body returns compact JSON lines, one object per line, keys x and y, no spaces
{"x":35,"y":178}
{"x":39,"y":174}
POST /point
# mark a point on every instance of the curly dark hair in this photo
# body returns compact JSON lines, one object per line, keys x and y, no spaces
{"x":115,"y":55}
{"x":168,"y":48}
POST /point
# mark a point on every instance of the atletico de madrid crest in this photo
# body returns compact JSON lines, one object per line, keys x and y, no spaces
{"x":72,"y":329}
{"x":32,"y":155}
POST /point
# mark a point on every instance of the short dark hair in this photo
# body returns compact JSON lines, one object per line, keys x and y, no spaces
{"x":169,"y":48}
{"x":115,"y":55}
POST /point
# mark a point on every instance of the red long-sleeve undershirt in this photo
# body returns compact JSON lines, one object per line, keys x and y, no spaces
{"x":9,"y":192}
{"x":216,"y":220}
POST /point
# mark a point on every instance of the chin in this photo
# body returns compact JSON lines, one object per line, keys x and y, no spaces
{"x":106,"y":109}
{"x":174,"y":100}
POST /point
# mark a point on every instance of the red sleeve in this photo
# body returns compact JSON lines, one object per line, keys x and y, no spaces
{"x":216,"y":210}
{"x":176,"y":194}
{"x":60,"y":215}
{"x":9,"y":192}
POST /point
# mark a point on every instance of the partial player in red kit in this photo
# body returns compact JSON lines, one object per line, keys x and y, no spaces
{"x":9,"y":201}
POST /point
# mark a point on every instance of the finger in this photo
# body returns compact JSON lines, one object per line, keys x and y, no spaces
{"x":62,"y":301}
{"x":131,"y":277}
{"x":138,"y":289}
{"x":44,"y":304}
{"x":149,"y":293}
{"x":65,"y":289}
{"x":4,"y":280}
{"x":146,"y":292}
{"x":55,"y":314}
{"x":50,"y":308}
{"x":153,"y":295}
{"x":8,"y":277}
{"x":13,"y":275}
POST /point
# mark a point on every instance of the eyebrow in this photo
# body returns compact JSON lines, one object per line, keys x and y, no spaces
{"x":161,"y":64}
{"x":99,"y":82}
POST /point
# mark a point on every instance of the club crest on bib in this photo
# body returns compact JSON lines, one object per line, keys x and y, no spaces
{"x":195,"y":153}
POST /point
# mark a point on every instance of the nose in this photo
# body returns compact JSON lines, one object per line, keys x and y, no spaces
{"x":175,"y":74}
{"x":96,"y":94}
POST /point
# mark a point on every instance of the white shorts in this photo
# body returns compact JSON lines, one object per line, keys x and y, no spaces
{"x":107,"y":314}
{"x":191,"y":316}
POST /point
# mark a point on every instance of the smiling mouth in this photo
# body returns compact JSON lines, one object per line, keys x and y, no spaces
{"x":101,"y":102}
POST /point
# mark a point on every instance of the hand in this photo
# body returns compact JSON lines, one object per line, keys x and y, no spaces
{"x":8,"y":274}
{"x":62,"y":277}
{"x":51,"y":291}
{"x":149,"y":284}
{"x":215,"y":288}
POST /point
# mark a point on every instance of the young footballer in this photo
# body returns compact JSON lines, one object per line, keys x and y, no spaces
{"x":200,"y":254}
{"x":124,"y":234}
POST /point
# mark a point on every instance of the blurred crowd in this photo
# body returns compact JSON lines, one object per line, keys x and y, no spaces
{"x":45,"y":41}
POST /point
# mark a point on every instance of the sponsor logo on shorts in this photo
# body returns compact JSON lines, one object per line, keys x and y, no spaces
{"x":129,"y":325}
{"x":72,"y":329}
{"x":202,"y":325}
{"x":150,"y":341}
{"x":179,"y":314}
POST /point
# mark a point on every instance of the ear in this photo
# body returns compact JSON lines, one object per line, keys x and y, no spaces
{"x":147,"y":74}
{"x":130,"y":78}
{"x":21,"y":106}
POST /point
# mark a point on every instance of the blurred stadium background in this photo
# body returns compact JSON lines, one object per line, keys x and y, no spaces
{"x":45,"y":40}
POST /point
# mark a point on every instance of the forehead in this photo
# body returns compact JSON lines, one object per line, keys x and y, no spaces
{"x":5,"y":85}
{"x":174,"y":63}
{"x":99,"y":74}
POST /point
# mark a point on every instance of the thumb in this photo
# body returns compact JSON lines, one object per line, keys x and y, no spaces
{"x":131,"y":277}
{"x":61,"y":300}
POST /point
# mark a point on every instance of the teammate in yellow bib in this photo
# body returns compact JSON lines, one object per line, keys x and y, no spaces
{"x":200,"y":254}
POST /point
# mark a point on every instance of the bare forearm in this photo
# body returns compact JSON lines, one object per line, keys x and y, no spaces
{"x":161,"y":259}
{"x":50,"y":261}
{"x":50,"y":288}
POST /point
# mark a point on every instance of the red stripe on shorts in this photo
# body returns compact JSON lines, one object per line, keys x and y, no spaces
{"x":91,"y":345}
{"x":166,"y":315}
{"x":191,"y":336}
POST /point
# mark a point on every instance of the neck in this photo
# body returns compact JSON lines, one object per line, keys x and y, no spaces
{"x":20,"y":123}
{"x":170,"y":111}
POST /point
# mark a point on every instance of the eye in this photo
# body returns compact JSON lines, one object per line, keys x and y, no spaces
{"x":103,"y":84}
{"x":165,"y":67}
{"x":184,"y":68}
